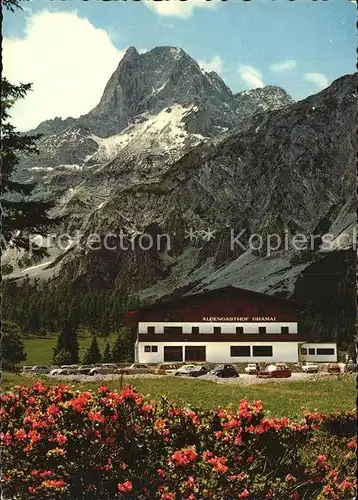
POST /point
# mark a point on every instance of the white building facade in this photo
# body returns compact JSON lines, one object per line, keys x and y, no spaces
{"x":229,"y":325}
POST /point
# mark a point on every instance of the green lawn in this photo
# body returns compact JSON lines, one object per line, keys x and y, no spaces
{"x":39,"y":349}
{"x":279,"y":398}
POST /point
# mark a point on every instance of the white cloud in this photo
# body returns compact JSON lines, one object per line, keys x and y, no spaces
{"x":67,"y":59}
{"x":179,"y":8}
{"x":215,"y":64}
{"x":319,"y":79}
{"x":251,"y":76}
{"x":285,"y":65}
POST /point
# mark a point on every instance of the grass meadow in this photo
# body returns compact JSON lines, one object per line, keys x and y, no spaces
{"x":334,"y":393}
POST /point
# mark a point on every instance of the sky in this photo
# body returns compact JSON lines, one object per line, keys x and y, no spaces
{"x":68,"y":49}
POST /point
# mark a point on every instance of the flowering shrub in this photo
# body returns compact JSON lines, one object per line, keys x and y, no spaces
{"x":61,"y":444}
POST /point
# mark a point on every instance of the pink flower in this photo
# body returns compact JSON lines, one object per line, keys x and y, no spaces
{"x":20,"y":434}
{"x":96,"y":416}
{"x":53,"y":410}
{"x":184,"y":456}
{"x":321,"y":461}
{"x":125,"y":487}
{"x":346,"y":485}
{"x":168,"y":496}
{"x":51,"y":483}
{"x":61,"y":439}
{"x":244,"y":494}
{"x":352,"y":444}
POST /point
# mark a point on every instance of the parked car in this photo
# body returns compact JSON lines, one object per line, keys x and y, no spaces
{"x":41,"y":370}
{"x":135,"y":369}
{"x":225,"y":371}
{"x":167,"y":369}
{"x":198,"y":371}
{"x":184,"y":370}
{"x":333,"y":368}
{"x":61,"y":370}
{"x":309,"y":367}
{"x":69,"y":370}
{"x":278,"y":370}
{"x":350,"y":368}
{"x":252,"y":368}
{"x":56,"y":371}
{"x":105,"y":369}
{"x":84,"y":369}
{"x":26,"y":369}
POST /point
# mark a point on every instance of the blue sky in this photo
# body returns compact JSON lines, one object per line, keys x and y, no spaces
{"x":302,"y":45}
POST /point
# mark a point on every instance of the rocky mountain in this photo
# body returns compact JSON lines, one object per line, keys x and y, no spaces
{"x":171,"y":155}
{"x":153,"y":81}
{"x":155,"y":107}
{"x":263,"y":99}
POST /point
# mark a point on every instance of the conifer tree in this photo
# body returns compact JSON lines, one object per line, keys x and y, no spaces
{"x":116,"y":354}
{"x":93,"y":354}
{"x":107,"y":357}
{"x":12,"y":346}
{"x":21,"y":215}
{"x":68,"y":341}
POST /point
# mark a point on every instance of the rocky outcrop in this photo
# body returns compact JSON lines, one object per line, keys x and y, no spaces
{"x":290,"y":172}
{"x":170,"y":150}
{"x":157,"y":79}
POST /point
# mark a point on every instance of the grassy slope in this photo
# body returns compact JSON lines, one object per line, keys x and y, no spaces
{"x":39,"y":350}
{"x":279,"y":398}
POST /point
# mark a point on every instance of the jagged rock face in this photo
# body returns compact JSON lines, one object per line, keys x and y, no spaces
{"x":163,"y":76}
{"x":291,"y":171}
{"x":259,"y":100}
{"x":278,"y":167}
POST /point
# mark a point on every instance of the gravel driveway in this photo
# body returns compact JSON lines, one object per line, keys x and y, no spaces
{"x":242,"y":379}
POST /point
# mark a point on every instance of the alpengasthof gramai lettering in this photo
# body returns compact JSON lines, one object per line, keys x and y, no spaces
{"x":236,"y":319}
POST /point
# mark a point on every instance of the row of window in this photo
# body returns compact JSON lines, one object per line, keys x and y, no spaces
{"x":150,"y":348}
{"x":320,"y":351}
{"x":196,"y":352}
{"x":217,"y":330}
{"x":245,"y":351}
{"x":258,"y":350}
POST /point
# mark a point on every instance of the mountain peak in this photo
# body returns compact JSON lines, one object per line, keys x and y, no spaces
{"x":162,"y":77}
{"x":131,"y":51}
{"x":155,"y":80}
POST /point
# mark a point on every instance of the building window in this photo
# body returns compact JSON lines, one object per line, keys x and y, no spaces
{"x":284,"y":329}
{"x":194,"y":329}
{"x":303,"y":351}
{"x":311,"y":351}
{"x":322,"y":351}
{"x":150,"y":348}
{"x":240,"y":350}
{"x":173,"y":353}
{"x":217,"y":329}
{"x":239,"y":330}
{"x":195,"y":353}
{"x":262,"y":350}
{"x":151,"y":329}
{"x":172,"y":330}
{"x":262,"y":329}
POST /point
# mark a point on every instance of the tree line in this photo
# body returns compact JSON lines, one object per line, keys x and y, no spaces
{"x":40,"y":309}
{"x":66,"y":351}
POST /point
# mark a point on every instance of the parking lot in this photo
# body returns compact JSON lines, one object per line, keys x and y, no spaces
{"x":243,"y":379}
